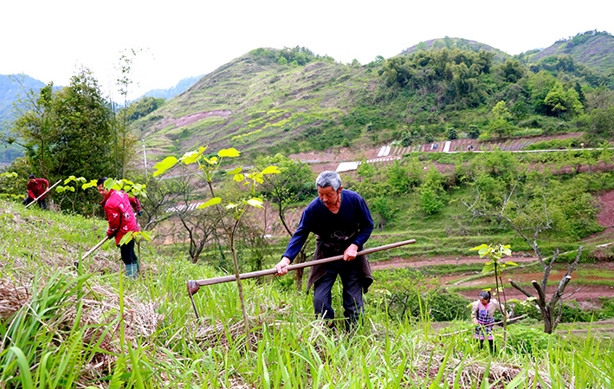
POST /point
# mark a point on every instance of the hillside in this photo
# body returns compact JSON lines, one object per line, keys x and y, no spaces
{"x":12,"y":88}
{"x":293,"y":101}
{"x":254,"y":103}
{"x":92,"y":327}
{"x":592,"y":48}
{"x":459,"y":43}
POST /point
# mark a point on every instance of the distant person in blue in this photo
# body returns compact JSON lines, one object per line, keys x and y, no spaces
{"x":342,"y":223}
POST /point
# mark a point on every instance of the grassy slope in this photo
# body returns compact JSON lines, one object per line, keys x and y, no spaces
{"x":158,"y":343}
{"x":594,"y":50}
{"x":269,"y":103}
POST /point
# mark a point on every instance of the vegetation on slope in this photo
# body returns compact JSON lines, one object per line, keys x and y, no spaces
{"x":265,"y":101}
{"x":94,"y":328}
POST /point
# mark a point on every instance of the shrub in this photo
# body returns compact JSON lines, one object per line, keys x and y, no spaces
{"x":528,"y":341}
{"x":474,"y":132}
{"x":446,"y":306}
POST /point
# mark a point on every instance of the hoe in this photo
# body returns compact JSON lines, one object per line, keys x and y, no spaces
{"x":194,"y":285}
{"x":44,"y":193}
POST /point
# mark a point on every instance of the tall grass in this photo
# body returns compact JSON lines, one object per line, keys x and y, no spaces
{"x":101,"y":330}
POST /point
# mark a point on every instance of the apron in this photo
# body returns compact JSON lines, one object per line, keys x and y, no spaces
{"x":334,"y":247}
{"x":482,"y":330}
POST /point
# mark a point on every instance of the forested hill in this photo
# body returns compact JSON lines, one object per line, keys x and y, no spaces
{"x":592,"y":48}
{"x":456,"y":43}
{"x":292,"y":100}
{"x":12,"y":88}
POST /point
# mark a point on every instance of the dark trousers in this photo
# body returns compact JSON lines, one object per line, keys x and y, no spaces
{"x":128,"y":255}
{"x":350,"y":273}
{"x":41,"y":202}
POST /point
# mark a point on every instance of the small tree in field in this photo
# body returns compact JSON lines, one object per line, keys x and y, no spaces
{"x":207,"y":168}
{"x":494,"y":254}
{"x":536,"y":206}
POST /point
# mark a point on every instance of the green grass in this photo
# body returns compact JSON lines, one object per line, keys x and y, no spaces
{"x":95,"y":328}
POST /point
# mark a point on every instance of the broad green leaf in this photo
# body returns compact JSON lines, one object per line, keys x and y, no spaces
{"x":126,"y":238}
{"x":191,"y":157}
{"x":230,"y":153}
{"x":511,"y":263}
{"x":231,"y":205}
{"x":235,"y":171}
{"x":110,"y":183}
{"x":88,"y":185}
{"x":271,"y":170}
{"x":257,"y":203}
{"x":210,"y":202}
{"x":69,"y":179}
{"x":211,"y":161}
{"x":8,"y":174}
{"x":164,"y":165}
{"x":238,"y":177}
{"x":480,"y":247}
{"x":146,"y":235}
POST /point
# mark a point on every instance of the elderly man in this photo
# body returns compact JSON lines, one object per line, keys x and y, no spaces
{"x":342,"y":222}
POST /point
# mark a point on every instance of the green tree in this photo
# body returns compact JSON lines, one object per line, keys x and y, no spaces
{"x":601,"y":123}
{"x":124,"y":139}
{"x":69,"y":133}
{"x":500,"y":111}
{"x":451,"y":133}
{"x":473,"y":132}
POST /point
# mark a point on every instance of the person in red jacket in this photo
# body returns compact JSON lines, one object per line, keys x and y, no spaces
{"x":120,"y":216}
{"x":36,"y":187}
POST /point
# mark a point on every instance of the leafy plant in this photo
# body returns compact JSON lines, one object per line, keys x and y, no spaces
{"x":207,"y":168}
{"x":494,"y":254}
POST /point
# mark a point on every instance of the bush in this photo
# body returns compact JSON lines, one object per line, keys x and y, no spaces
{"x":474,"y":132}
{"x":528,"y":341}
{"x":447,"y":306}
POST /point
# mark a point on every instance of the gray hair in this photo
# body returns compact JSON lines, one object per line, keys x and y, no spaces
{"x":328,"y":178}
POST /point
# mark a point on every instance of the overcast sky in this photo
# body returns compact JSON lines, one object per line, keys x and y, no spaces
{"x":50,"y":39}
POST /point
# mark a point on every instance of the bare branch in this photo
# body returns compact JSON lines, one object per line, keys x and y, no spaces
{"x":548,"y":268}
{"x":540,"y":292}
{"x":521,"y":289}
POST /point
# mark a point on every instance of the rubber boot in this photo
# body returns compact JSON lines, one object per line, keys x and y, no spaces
{"x":132,"y":270}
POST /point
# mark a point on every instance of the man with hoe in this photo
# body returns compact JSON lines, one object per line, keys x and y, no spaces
{"x":342,"y":222}
{"x":36,"y":187}
{"x":121,"y":219}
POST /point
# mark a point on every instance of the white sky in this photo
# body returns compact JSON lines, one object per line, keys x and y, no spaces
{"x":50,"y":39}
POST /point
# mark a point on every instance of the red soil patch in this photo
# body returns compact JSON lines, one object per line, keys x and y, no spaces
{"x":606,"y":215}
{"x":192,"y":118}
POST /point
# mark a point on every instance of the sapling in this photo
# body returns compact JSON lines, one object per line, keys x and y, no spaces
{"x":494,"y":254}
{"x":207,"y":168}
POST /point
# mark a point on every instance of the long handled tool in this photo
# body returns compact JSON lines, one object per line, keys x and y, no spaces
{"x":92,"y":250}
{"x":194,"y":285}
{"x":44,"y":193}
